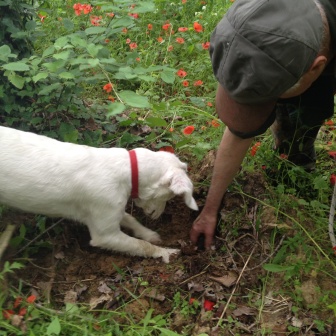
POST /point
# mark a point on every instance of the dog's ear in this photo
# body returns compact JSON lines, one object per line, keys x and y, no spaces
{"x":180,"y":184}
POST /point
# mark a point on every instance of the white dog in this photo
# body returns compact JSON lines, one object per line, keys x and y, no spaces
{"x":92,"y":186}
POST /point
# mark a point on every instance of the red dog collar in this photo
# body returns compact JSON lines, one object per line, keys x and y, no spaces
{"x":135,"y":174}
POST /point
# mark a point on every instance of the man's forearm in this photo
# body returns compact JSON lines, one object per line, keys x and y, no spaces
{"x":230,"y":155}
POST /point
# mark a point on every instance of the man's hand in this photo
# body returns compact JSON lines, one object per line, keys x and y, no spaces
{"x":204,"y":224}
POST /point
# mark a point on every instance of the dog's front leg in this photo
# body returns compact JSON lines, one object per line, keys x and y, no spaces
{"x":139,"y":230}
{"x":110,"y":237}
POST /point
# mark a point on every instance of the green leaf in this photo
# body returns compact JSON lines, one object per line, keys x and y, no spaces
{"x":15,"y":79}
{"x":30,"y":25}
{"x":125,"y":21}
{"x":156,"y":122}
{"x":54,"y":327}
{"x":47,"y":89}
{"x":64,"y":55}
{"x":114,"y":109}
{"x":49,"y":51}
{"x":41,"y":75}
{"x":61,"y":42}
{"x":77,"y":41}
{"x":144,"y":7}
{"x":68,"y":133}
{"x":132,"y":99}
{"x":333,"y":307}
{"x":5,"y":51}
{"x":68,"y":24}
{"x":94,"y":30}
{"x":277,"y":268}
{"x":66,"y":75}
{"x":16,"y":66}
{"x":93,"y":49}
{"x":168,"y":77}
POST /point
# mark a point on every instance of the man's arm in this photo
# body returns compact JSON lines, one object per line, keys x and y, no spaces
{"x":230,"y":155}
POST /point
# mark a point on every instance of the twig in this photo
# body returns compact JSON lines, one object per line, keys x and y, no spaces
{"x":6,"y":237}
{"x":268,"y":257}
{"x":38,"y":236}
{"x":234,"y":289}
{"x":194,"y":276}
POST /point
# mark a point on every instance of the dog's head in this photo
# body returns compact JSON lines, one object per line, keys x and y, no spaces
{"x":164,"y":177}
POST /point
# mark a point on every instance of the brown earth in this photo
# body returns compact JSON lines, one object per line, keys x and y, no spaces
{"x":230,"y":276}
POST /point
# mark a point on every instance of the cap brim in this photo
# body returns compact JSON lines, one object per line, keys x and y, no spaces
{"x":245,"y":121}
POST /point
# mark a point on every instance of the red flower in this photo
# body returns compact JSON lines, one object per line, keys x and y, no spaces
{"x":124,"y":30}
{"x":332,"y":154}
{"x":197,"y":27}
{"x":111,"y":15}
{"x":171,"y":129}
{"x":184,"y":1}
{"x":160,"y":39}
{"x":170,"y":48}
{"x":149,"y":26}
{"x":332,"y":179}
{"x":108,"y":87}
{"x":329,"y":123}
{"x":138,"y":59}
{"x":206,"y":45}
{"x":185,"y":83}
{"x":209,"y":104}
{"x":128,"y":41}
{"x":8,"y":313}
{"x":110,"y":98}
{"x":208,"y":305}
{"x":31,"y":299}
{"x":188,"y":130}
{"x":169,"y":149}
{"x":181,"y":73}
{"x":166,"y":26}
{"x":17,"y":302}
{"x":180,"y":40}
{"x":22,"y":311}
{"x":134,"y":15}
{"x":283,"y":156}
{"x":198,"y":83}
{"x":255,"y":148}
{"x":182,"y":29}
{"x":192,"y":300}
{"x":133,"y":46}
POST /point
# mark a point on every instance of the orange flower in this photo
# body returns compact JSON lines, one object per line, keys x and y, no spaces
{"x":108,"y":87}
{"x":185,"y":83}
{"x":215,"y":123}
{"x":182,"y":29}
{"x":124,"y":30}
{"x":110,"y":98}
{"x":138,"y":59}
{"x":128,"y":41}
{"x":180,"y":40}
{"x":160,"y":39}
{"x":181,"y":73}
{"x":166,"y":26}
{"x":169,"y":149}
{"x":188,"y":130}
{"x":107,"y":40}
{"x":133,"y":46}
{"x":329,"y":123}
{"x":171,"y":129}
{"x":198,"y":83}
{"x":206,"y":45}
{"x":197,"y":27}
{"x":255,"y":148}
{"x":170,"y":48}
{"x":184,"y":1}
{"x":209,"y":104}
{"x":95,"y":20}
{"x":111,"y":15}
{"x":149,"y":26}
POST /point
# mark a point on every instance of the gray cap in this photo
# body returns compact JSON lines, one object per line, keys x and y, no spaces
{"x":262,"y":47}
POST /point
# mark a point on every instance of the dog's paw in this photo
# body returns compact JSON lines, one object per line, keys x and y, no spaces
{"x":168,"y":254}
{"x":152,"y":237}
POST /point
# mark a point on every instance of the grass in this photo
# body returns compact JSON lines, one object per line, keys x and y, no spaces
{"x":171,"y":104}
